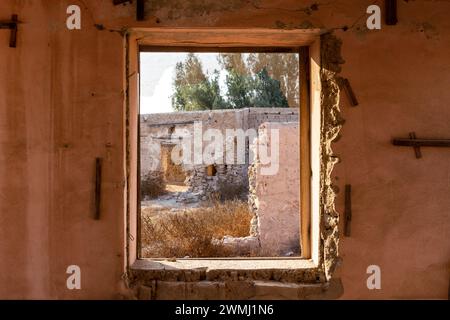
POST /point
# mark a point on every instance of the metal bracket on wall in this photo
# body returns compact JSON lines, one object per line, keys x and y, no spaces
{"x":348,"y":210}
{"x":418,"y":143}
{"x":349,"y":91}
{"x":391,"y":12}
{"x":98,"y":187}
{"x":11,"y":25}
{"x":140,"y":10}
{"x":117,"y":2}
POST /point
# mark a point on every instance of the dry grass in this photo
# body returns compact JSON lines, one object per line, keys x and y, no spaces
{"x":190,"y":232}
{"x":152,"y":187}
{"x":231,"y":191}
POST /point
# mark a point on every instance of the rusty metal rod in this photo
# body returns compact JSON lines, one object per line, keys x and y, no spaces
{"x":391,"y":12}
{"x":442,"y":143}
{"x":98,"y":187}
{"x":351,"y":95}
{"x":11,"y":25}
{"x":348,"y":210}
{"x":140,"y":10}
{"x":117,"y":2}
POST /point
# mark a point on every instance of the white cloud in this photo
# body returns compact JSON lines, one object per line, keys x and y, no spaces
{"x":160,"y":101}
{"x":157,"y":72}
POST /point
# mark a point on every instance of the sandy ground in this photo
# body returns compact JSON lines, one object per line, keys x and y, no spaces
{"x":176,"y":198}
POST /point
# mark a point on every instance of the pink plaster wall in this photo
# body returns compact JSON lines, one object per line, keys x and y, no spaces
{"x":277,"y":188}
{"x":61,"y":105}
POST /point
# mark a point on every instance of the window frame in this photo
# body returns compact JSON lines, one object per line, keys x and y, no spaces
{"x":202,"y":40}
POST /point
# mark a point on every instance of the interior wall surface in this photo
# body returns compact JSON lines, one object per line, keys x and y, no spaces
{"x":62,"y":105}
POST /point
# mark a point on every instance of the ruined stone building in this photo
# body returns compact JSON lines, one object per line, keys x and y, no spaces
{"x":364,"y":174}
{"x":161,"y":133}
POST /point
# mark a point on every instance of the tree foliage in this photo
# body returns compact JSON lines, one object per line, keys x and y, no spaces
{"x":282,"y":67}
{"x":252,"y":80}
{"x":193,"y":89}
{"x":268,"y":92}
{"x":239,"y":90}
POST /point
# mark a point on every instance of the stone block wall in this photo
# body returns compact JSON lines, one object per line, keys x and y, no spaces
{"x":228,"y":179}
{"x":157,"y":130}
{"x":257,"y":116}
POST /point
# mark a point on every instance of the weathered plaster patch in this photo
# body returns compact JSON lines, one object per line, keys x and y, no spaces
{"x":427,"y":29}
{"x":305,"y":24}
{"x":177,"y":9}
{"x":331,"y":125}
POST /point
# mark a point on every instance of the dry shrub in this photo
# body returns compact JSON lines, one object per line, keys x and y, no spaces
{"x":152,"y":186}
{"x":191,"y":232}
{"x":231,"y":191}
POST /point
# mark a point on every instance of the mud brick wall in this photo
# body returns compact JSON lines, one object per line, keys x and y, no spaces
{"x":156,"y":133}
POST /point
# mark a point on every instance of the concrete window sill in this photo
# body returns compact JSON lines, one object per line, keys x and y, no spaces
{"x":220,"y":279}
{"x":285,"y":270}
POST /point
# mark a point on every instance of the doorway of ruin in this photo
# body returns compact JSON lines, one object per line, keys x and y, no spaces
{"x":174,"y":176}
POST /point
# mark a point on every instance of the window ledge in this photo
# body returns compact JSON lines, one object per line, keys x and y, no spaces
{"x":189,"y":270}
{"x":220,"y":279}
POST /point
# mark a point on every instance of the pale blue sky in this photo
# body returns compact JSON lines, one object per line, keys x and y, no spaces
{"x":157,"y":72}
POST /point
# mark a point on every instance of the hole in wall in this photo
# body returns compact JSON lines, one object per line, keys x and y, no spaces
{"x":211,"y":170}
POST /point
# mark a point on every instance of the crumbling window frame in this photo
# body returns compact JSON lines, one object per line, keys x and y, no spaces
{"x":311,"y":267}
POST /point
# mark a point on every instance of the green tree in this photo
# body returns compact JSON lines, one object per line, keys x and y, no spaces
{"x":282,"y":67}
{"x":193,"y":89}
{"x":179,"y":82}
{"x":205,"y":95}
{"x":239,"y":90}
{"x":248,"y":82}
{"x":234,"y":62}
{"x":267,"y":92}
{"x":193,"y":70}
